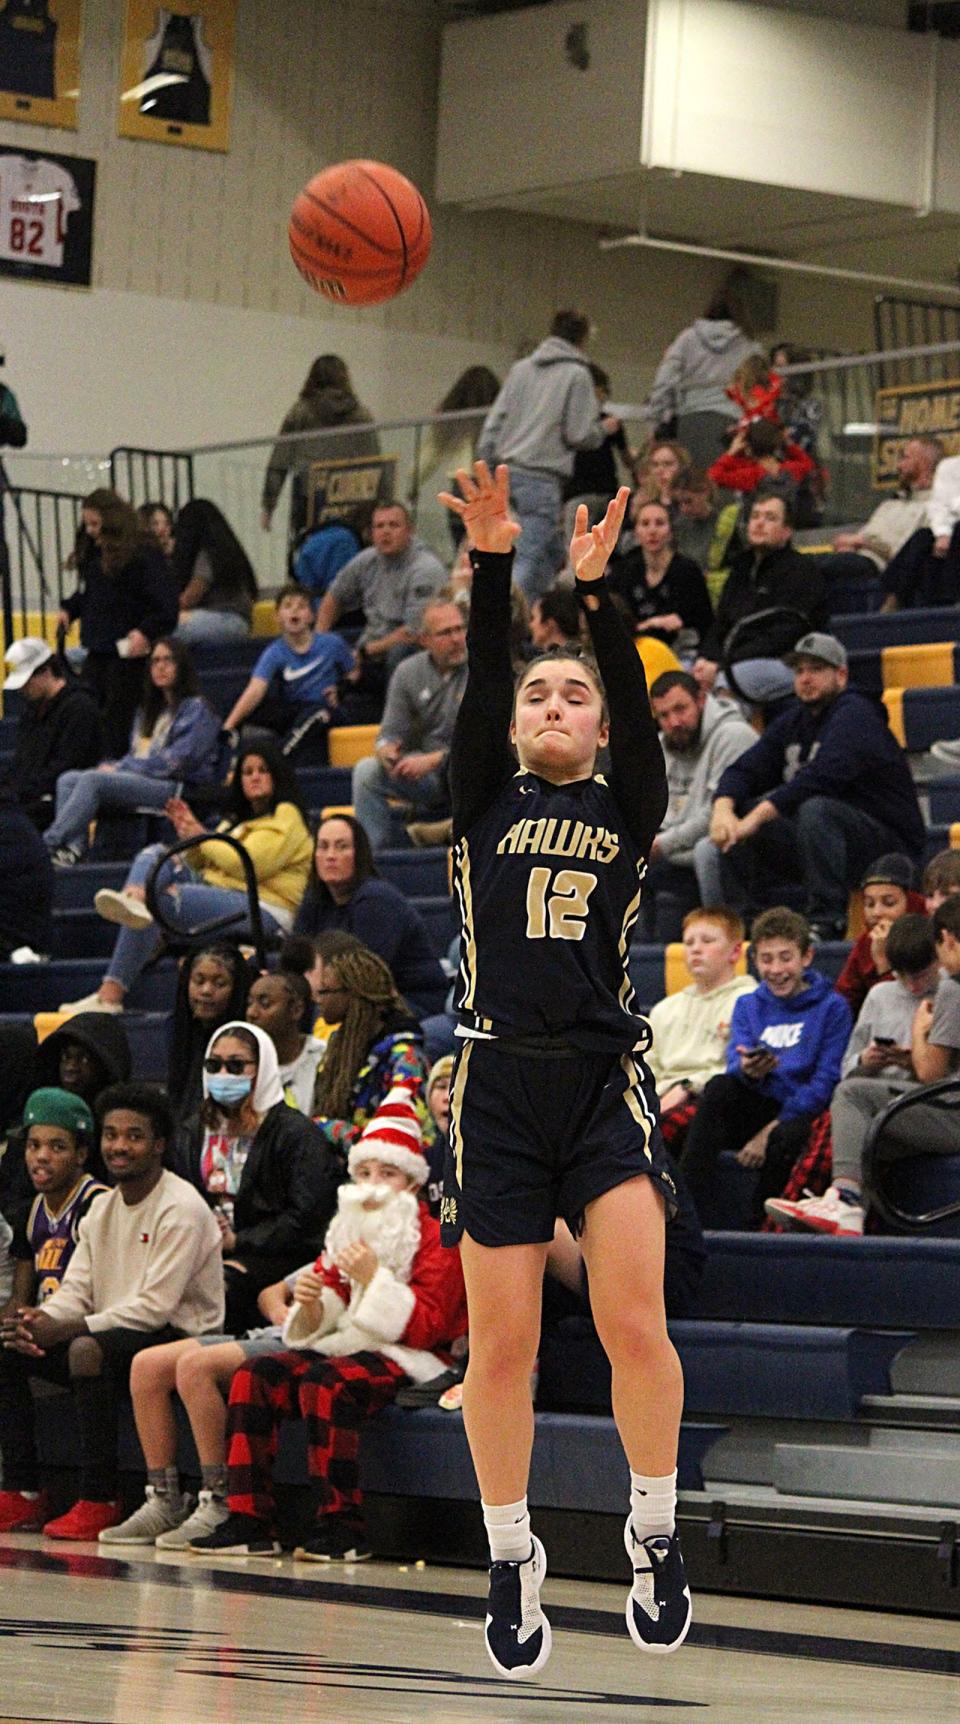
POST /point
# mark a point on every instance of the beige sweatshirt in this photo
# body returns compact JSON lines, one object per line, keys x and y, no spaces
{"x":690,"y":1033}
{"x":143,"y":1265}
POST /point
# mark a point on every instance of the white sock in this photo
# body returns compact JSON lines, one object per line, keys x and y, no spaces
{"x":653,"y":1505}
{"x":508,"y":1530}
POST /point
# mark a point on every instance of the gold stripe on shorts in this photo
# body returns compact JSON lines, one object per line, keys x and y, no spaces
{"x":456,"y":1106}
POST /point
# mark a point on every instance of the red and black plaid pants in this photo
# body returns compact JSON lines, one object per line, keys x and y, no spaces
{"x":334,"y":1396}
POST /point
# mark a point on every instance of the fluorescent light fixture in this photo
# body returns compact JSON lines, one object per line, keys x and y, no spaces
{"x":153,"y":86}
{"x":43,"y":197}
{"x":860,"y":428}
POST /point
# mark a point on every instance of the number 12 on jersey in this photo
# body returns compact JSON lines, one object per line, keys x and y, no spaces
{"x":557,"y":903}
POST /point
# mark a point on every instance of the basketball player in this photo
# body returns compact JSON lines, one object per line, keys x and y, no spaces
{"x":553,"y":1112}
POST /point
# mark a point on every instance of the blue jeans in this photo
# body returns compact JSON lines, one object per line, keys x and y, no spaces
{"x":81,"y":796}
{"x":826,"y":844}
{"x":763,"y":679}
{"x":372,"y":789}
{"x":187,"y":903}
{"x":536,"y":499}
{"x":212,"y":626}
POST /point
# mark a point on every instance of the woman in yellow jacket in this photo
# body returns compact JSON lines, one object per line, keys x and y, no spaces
{"x":207,"y":882}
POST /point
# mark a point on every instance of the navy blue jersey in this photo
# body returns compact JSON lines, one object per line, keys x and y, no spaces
{"x":548,"y":876}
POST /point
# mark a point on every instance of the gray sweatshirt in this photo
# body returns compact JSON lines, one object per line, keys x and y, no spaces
{"x":546,"y":410}
{"x":390,"y":591}
{"x":692,"y":778}
{"x":888,"y":1010}
{"x":693,"y":374}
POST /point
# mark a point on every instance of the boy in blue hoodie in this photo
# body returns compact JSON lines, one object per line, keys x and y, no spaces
{"x":783,"y":1062}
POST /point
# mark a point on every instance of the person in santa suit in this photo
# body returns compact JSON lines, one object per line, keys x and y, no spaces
{"x":380,"y":1308}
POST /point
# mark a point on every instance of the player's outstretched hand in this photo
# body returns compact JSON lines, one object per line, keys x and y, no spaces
{"x":484,"y":507}
{"x":592,"y":547}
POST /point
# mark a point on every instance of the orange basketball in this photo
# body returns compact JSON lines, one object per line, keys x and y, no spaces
{"x":360,"y":232}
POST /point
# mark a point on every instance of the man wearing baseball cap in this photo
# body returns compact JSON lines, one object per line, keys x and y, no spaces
{"x":59,"y":728}
{"x":824,"y":791}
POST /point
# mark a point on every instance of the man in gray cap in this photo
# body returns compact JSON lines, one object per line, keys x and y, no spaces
{"x":825,"y":790}
{"x":59,"y":728}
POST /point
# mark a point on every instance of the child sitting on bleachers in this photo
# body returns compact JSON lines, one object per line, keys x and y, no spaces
{"x":888,"y":893}
{"x":941,"y":879}
{"x":690,"y":1028}
{"x":787,"y":1040}
{"x":307,"y":666}
{"x":877,"y":1066}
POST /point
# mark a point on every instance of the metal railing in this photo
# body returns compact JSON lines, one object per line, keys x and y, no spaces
{"x":152,"y":475}
{"x":180,"y":938}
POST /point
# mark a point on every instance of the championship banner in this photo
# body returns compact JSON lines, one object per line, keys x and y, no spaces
{"x":46,"y":216}
{"x":913,"y":410}
{"x":337,"y":487}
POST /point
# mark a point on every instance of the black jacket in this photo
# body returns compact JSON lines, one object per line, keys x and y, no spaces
{"x":13,"y":431}
{"x":778,"y":579}
{"x":683,"y":589}
{"x":287,"y":1193}
{"x":142,"y":595}
{"x":64,"y":734}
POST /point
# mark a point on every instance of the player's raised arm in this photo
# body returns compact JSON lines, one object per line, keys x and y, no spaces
{"x":638,"y":777}
{"x":480,"y":757}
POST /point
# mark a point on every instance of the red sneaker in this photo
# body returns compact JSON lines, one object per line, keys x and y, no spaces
{"x":22,"y":1514}
{"x":84,"y":1521}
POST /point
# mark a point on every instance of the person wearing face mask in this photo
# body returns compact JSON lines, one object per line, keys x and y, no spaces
{"x":212,"y":989}
{"x":279,"y":1004}
{"x":666,"y":592}
{"x":208,"y":881}
{"x":380,"y":1307}
{"x":268,"y":1173}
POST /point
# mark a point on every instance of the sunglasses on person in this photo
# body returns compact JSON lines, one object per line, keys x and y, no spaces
{"x":234,"y":1065}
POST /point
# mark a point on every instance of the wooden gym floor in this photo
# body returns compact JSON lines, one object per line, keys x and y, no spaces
{"x":89,"y":1639}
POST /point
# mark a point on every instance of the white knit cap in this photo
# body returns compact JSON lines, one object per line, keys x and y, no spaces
{"x":393,"y":1135}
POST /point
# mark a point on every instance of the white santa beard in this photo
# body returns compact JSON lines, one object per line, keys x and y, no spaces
{"x":392,"y":1230}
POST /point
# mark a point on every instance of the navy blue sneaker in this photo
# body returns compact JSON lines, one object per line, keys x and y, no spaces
{"x":659,"y":1611}
{"x":517,"y":1632}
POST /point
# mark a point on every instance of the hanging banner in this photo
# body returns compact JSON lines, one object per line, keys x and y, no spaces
{"x":913,"y":410}
{"x":176,"y":70}
{"x":40,"y":61}
{"x":337,"y":487}
{"x":46,"y":216}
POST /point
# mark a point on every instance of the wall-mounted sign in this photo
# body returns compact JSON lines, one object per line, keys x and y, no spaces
{"x":913,"y":410}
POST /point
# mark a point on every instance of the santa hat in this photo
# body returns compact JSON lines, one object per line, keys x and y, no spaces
{"x":393,"y":1135}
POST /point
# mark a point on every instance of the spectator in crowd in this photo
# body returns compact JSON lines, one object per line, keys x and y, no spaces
{"x":926,"y":568}
{"x":787,"y":1040}
{"x":757,"y":452}
{"x":266,"y":817}
{"x":695,"y":517}
{"x":58,"y":730}
{"x":689,"y":388}
{"x":383,"y":1306}
{"x":326,"y":402}
{"x":666,"y":592}
{"x":305,"y":665}
{"x":215,"y":577}
{"x":377,"y":1043}
{"x":126,"y":598}
{"x":345,"y":891}
{"x":691,"y":1028}
{"x":823,"y":791}
{"x":771,"y":597}
{"x":146,"y":1269}
{"x":212,"y":990}
{"x":389,"y":583}
{"x":864,"y":554}
{"x":701,"y":736}
{"x":446,"y":447}
{"x":26,"y":887}
{"x":799,"y":408}
{"x":327,"y":547}
{"x":661,"y":473}
{"x":555,"y":619}
{"x":595,"y":477}
{"x":58,"y":1132}
{"x":936,"y":1027}
{"x":157,"y":520}
{"x":278,"y":1004}
{"x":13,"y":431}
{"x":268,"y":1172}
{"x":877,"y":1066}
{"x":546,"y":411}
{"x":174,"y":743}
{"x":941,"y":879}
{"x":886,"y":894}
{"x":423,"y":696}
{"x":439,"y":1080}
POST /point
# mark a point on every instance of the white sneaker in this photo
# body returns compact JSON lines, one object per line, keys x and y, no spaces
{"x":27,"y":955}
{"x":209,"y":1513}
{"x":831,"y":1214}
{"x":156,"y":1514}
{"x":123,"y":908}
{"x":90,"y":1003}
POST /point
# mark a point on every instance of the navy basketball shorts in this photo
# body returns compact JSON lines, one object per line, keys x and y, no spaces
{"x":534,"y":1137}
